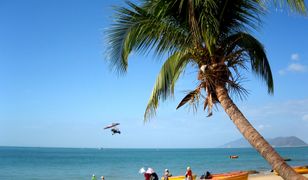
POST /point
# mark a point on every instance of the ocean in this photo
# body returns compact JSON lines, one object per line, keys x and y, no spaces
{"x":117,"y":164}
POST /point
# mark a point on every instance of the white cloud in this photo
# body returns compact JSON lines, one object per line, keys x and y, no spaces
{"x":262,"y":126}
{"x":295,"y":108}
{"x":297,"y":67}
{"x":280,"y":118}
{"x":294,"y":67}
{"x":295,"y":57}
{"x":305,"y":117}
{"x":282,"y":72}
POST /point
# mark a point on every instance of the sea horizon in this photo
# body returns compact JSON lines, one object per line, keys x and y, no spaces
{"x":3,"y":146}
{"x":80,"y":163}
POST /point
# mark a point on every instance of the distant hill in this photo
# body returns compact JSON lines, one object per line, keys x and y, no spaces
{"x":291,"y":141}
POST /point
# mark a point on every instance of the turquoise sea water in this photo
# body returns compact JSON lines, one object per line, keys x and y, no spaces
{"x":119,"y":164}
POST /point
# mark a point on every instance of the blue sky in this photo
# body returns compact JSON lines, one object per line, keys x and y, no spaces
{"x":56,"y":89}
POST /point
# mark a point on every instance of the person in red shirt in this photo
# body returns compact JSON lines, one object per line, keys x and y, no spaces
{"x":146,"y":174}
{"x":188,"y":174}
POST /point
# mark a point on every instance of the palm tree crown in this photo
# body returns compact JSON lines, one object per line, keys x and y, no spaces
{"x":213,"y":37}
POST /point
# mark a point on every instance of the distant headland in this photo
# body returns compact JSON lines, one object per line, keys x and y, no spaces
{"x":291,"y":141}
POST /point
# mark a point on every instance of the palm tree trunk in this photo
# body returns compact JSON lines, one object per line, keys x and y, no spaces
{"x":254,"y":138}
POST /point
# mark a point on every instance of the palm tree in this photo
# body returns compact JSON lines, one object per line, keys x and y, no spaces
{"x":212,"y":36}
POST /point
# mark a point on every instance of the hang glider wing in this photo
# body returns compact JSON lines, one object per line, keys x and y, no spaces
{"x":112,"y":125}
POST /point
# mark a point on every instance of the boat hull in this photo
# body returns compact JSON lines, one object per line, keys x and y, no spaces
{"x":298,"y":169}
{"x":301,"y":169}
{"x":179,"y":177}
{"x":231,"y":176}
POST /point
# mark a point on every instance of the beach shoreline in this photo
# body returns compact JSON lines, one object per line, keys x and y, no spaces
{"x":270,"y":176}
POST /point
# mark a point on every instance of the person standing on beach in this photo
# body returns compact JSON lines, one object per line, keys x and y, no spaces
{"x":93,"y":177}
{"x":145,"y":174}
{"x":188,"y":174}
{"x":167,"y":174}
{"x":153,"y":175}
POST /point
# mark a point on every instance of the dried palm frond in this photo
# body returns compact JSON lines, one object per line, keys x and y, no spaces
{"x":192,"y":97}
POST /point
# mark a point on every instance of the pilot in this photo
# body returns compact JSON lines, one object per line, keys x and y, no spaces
{"x":114,"y":131}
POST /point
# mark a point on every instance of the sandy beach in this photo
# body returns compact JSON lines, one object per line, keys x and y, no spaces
{"x":267,"y":177}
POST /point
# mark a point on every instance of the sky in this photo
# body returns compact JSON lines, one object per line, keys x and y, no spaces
{"x":57,"y":89}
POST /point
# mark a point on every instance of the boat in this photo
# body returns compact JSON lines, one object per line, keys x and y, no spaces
{"x":233,"y":157}
{"x":237,"y":175}
{"x":179,"y":177}
{"x":301,"y":169}
{"x":298,"y":169}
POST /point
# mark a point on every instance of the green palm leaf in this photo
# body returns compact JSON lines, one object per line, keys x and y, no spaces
{"x":295,"y":5}
{"x":257,"y":56}
{"x":133,"y":30}
{"x":166,"y":79}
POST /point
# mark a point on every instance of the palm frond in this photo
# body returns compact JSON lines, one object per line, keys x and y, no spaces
{"x":166,"y":80}
{"x":298,"y":6}
{"x":190,"y":97}
{"x":133,"y":30}
{"x":257,"y":57}
{"x":239,"y":15}
{"x":295,"y":5}
{"x":236,"y":89}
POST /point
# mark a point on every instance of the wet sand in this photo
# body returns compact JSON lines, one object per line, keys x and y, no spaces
{"x":267,"y":177}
